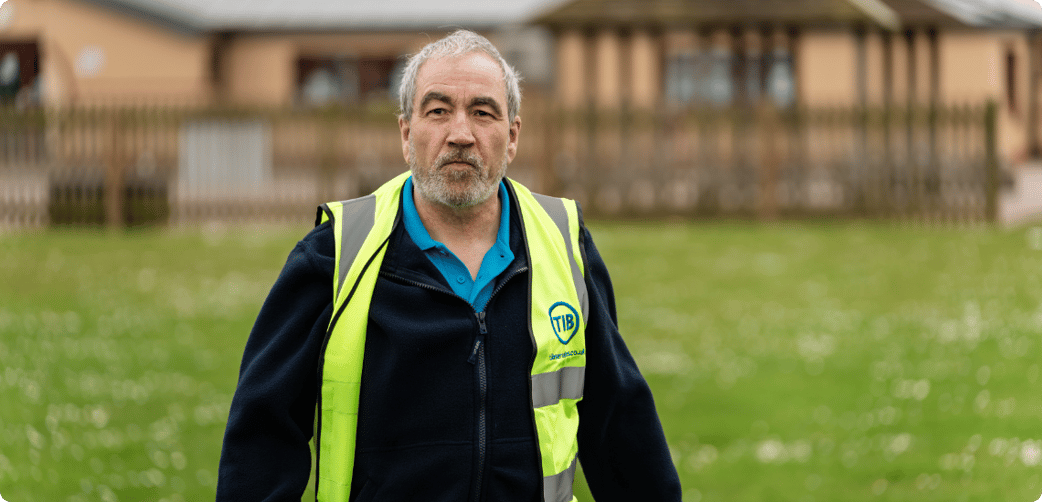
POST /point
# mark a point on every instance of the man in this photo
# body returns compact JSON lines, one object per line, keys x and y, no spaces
{"x":468,"y":348}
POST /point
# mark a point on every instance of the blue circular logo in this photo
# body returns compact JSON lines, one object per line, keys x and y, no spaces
{"x":565,"y":321}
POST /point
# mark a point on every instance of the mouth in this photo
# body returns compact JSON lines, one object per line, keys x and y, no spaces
{"x":457,"y":163}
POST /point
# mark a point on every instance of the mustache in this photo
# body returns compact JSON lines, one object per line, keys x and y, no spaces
{"x":459,"y":155}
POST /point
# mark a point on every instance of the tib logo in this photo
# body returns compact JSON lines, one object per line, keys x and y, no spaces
{"x":565,"y":321}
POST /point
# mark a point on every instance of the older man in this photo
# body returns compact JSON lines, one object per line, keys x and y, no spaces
{"x":467,"y":349}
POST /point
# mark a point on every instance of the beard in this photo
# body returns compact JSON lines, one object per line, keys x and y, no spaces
{"x":452,"y":187}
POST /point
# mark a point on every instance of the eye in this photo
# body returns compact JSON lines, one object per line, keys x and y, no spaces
{"x":483,"y":113}
{"x":437,"y":111}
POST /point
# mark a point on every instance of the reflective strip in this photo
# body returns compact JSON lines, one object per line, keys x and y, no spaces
{"x":357,"y":218}
{"x":551,"y":388}
{"x":558,"y":488}
{"x":554,"y":207}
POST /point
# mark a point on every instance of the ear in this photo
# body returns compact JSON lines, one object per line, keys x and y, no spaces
{"x":515,"y":131}
{"x":403,"y":126}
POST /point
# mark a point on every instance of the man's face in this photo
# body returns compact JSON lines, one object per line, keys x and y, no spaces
{"x":459,"y":139}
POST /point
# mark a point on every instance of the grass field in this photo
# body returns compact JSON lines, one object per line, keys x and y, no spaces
{"x":853,"y":362}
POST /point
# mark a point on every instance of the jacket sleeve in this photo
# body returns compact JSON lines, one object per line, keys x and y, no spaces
{"x":265,"y":456}
{"x":622,"y":447}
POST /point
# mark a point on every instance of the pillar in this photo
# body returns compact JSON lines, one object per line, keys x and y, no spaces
{"x":571,"y":68}
{"x":608,"y":69}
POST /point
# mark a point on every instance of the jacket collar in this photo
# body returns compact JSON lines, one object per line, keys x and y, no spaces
{"x":405,"y":259}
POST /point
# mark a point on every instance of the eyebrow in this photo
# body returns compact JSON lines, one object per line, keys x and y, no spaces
{"x":434,"y":96}
{"x":487,"y":101}
{"x":478,"y":101}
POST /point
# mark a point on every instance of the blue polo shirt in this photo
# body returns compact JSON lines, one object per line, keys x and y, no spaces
{"x":476,"y":291}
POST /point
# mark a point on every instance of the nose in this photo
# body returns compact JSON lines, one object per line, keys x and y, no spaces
{"x":460,"y":133}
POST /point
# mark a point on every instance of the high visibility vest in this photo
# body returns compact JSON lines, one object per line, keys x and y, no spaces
{"x":557,"y":323}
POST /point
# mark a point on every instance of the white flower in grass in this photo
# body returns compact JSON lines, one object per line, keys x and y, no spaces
{"x":900,"y":443}
{"x":770,"y":450}
{"x":1030,"y":454}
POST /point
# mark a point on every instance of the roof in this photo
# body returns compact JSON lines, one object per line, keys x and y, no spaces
{"x":992,"y":13}
{"x":885,"y":13}
{"x":722,"y":12}
{"x":193,"y":16}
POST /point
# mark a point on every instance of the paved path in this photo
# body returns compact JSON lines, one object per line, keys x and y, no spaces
{"x":1022,"y":204}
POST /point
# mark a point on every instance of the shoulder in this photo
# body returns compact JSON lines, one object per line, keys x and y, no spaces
{"x":318,"y":247}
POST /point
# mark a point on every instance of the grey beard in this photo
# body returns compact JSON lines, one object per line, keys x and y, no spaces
{"x":439,"y":186}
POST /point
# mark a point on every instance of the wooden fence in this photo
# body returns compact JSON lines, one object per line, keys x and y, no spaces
{"x":930,"y":164}
{"x":132,"y":166}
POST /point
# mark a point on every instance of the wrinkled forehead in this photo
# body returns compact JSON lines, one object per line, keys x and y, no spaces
{"x":475,"y":68}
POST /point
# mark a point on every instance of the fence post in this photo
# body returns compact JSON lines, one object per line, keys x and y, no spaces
{"x":546,"y":171}
{"x":113,"y":188}
{"x":327,"y":123}
{"x":991,"y":166}
{"x":768,"y":206}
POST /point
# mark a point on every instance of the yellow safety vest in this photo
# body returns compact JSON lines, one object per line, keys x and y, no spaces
{"x":559,"y":304}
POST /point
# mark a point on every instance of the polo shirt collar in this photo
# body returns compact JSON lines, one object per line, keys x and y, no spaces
{"x":419,"y":234}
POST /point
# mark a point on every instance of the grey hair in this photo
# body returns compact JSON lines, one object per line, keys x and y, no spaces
{"x":458,"y":43}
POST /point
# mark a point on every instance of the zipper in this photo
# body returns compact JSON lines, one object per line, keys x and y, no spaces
{"x":504,"y":281}
{"x":477,"y":359}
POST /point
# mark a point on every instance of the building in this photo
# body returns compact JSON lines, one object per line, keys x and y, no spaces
{"x":807,"y":53}
{"x":77,"y":52}
{"x":81,"y":61}
{"x":659,"y":98}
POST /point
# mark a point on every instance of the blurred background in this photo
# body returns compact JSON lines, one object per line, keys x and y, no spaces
{"x":875,"y":342}
{"x":127,"y":112}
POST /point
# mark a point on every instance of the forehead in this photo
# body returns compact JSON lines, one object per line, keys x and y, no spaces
{"x":473,"y":73}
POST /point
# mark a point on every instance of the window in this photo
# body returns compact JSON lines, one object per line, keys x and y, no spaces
{"x":324,"y":81}
{"x":708,"y":78}
{"x":682,"y":78}
{"x":717,"y":83}
{"x":19,"y":72}
{"x":700,"y":78}
{"x":781,"y":86}
{"x":10,"y":72}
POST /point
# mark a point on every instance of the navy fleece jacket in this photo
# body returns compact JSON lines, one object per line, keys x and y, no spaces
{"x":419,"y":403}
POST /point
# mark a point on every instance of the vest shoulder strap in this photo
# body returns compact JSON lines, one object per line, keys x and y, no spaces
{"x":565,"y":215}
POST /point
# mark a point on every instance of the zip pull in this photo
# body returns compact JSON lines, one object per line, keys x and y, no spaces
{"x":473,"y":359}
{"x":482,"y":330}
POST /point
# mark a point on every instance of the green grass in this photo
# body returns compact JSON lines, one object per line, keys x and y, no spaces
{"x":799,"y":363}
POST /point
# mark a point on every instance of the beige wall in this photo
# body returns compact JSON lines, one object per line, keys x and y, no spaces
{"x":147,"y":61}
{"x":969,"y":68}
{"x":645,"y":69}
{"x":22,"y":18}
{"x":826,"y":70}
{"x":974,"y":69}
{"x":261,"y":69}
{"x":571,"y":68}
{"x":138,"y":59}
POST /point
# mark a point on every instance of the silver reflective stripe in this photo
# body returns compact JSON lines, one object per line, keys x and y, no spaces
{"x":359,"y":216}
{"x":558,"y":488}
{"x":565,"y":383}
{"x":555,"y":208}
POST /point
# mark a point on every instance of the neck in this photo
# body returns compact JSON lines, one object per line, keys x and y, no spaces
{"x":468,"y":232}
